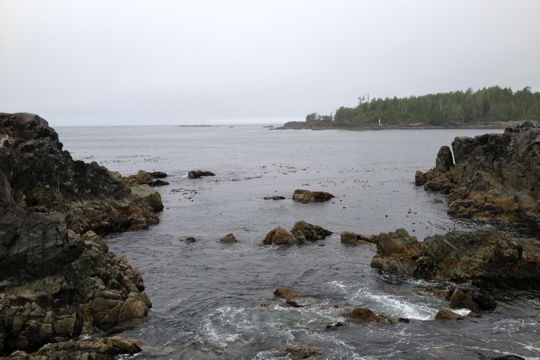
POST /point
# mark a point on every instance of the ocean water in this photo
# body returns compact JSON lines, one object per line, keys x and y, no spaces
{"x":215,"y":301}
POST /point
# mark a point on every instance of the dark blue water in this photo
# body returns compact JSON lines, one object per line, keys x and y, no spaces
{"x":207,"y":296}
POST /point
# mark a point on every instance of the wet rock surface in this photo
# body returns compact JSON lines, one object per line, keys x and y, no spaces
{"x":446,"y":314}
{"x":350,"y":238}
{"x":41,"y":175}
{"x":307,"y":196}
{"x":95,"y":349}
{"x":58,"y":278}
{"x":488,"y":258}
{"x":364,"y":315}
{"x":195,"y":174}
{"x":297,"y":352}
{"x":274,"y":197}
{"x":285,"y":293}
{"x":229,"y":239}
{"x":300,"y":233}
{"x":494,"y":176}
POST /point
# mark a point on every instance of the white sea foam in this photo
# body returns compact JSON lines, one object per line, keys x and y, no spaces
{"x":393,"y":305}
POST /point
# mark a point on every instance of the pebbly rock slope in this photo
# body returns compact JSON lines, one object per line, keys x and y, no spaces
{"x":494,"y":176}
{"x":57,"y":278}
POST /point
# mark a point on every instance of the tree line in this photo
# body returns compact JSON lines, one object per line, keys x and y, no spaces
{"x":492,"y":104}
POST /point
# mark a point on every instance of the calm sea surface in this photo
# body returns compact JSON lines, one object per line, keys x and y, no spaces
{"x":207,"y":296}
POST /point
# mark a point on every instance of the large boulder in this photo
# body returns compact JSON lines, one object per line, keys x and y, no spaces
{"x":487,"y":258}
{"x":307,"y":196}
{"x":279,"y":236}
{"x":299,"y":234}
{"x":495,"y":176}
{"x":304,"y":231}
{"x":396,"y":252}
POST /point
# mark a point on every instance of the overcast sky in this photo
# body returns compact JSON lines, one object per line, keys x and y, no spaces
{"x":201,"y":61}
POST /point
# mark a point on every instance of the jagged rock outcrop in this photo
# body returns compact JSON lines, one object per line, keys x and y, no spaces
{"x":41,"y":176}
{"x":486,"y":258}
{"x":57,"y":278}
{"x":494,"y":176}
{"x":350,"y":238}
{"x":299,"y":234}
{"x":307,"y":196}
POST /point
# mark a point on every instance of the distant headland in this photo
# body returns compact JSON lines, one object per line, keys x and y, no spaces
{"x":492,"y":107}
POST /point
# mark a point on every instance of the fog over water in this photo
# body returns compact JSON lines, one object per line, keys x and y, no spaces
{"x":172,"y":62}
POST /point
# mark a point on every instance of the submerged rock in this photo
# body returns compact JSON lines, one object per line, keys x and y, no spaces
{"x":365,"y":315}
{"x":189,"y":239}
{"x":285,"y":293}
{"x":159,"y":182}
{"x":307,"y":196}
{"x":279,"y":236}
{"x":489,"y":258}
{"x":195,"y":174}
{"x":275,"y":197}
{"x":350,"y":238}
{"x":299,"y":234}
{"x":445,"y":314}
{"x":297,"y":352}
{"x":495,"y":176}
{"x":229,"y":239}
{"x":508,"y":357}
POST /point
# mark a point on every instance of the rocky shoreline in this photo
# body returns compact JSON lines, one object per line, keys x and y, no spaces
{"x":58,"y":281}
{"x":331,"y":125}
{"x":494,"y":177}
{"x":63,"y":293}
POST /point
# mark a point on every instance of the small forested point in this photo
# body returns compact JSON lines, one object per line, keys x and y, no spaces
{"x":487,"y":105}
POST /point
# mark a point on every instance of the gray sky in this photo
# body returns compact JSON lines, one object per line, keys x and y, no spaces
{"x":172,"y":62}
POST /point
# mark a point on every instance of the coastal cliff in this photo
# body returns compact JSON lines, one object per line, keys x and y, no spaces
{"x":57,"y":278}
